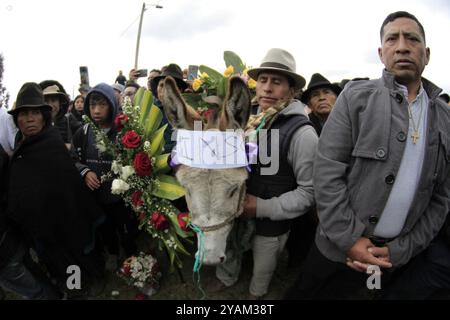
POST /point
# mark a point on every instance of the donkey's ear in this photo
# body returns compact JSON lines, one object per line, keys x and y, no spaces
{"x":237,"y":103}
{"x":178,"y":113}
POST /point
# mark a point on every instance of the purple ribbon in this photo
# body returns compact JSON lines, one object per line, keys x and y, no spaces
{"x":251,"y":149}
{"x":174,"y":159}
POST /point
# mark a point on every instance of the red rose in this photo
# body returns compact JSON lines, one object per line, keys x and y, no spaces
{"x":183,"y":220}
{"x":141,"y":216}
{"x":142,"y":164}
{"x":155,"y":268}
{"x":126,"y":270}
{"x":131,"y":139}
{"x":159,"y":221}
{"x":207,"y":113}
{"x":120,"y":121}
{"x":140,"y":296}
{"x":136,"y":199}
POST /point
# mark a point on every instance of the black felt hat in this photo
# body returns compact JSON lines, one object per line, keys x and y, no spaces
{"x":29,"y":96}
{"x":319,"y":81}
{"x":175,"y":72}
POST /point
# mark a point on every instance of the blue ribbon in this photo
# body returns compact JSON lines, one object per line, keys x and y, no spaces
{"x":199,"y":258}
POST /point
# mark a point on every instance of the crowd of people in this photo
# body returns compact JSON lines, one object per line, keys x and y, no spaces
{"x":363,"y":180}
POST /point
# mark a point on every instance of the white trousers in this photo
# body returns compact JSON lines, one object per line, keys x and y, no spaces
{"x":266,"y":251}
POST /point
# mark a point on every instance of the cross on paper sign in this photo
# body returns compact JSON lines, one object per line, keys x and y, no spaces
{"x":211,"y":149}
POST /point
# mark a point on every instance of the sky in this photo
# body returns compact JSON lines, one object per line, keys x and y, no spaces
{"x":50,"y":39}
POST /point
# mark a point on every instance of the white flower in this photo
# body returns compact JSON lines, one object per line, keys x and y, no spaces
{"x":119,"y":186}
{"x":127,"y":171}
{"x":101,"y":147}
{"x":146,"y":144}
{"x":115,"y":167}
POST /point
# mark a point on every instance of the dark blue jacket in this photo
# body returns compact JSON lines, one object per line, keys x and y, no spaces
{"x":85,"y":152}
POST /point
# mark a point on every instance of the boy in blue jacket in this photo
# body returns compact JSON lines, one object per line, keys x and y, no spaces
{"x":120,"y":227}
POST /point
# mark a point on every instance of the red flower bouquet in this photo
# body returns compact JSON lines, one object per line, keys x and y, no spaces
{"x":138,"y":173}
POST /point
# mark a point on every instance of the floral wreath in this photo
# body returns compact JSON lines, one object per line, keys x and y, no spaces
{"x":138,"y":173}
{"x":210,"y":86}
{"x":140,"y":271}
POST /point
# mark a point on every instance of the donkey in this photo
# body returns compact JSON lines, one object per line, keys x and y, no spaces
{"x":215,"y":197}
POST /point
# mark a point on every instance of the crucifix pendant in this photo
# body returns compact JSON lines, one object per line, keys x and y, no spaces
{"x":415,"y":136}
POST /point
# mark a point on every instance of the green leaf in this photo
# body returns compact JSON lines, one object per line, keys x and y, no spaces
{"x":145,"y":103}
{"x":161,"y":164}
{"x":192,"y":99}
{"x":232,"y":59}
{"x":138,"y":96}
{"x":171,"y":253}
{"x":180,"y":247}
{"x":169,"y":188}
{"x":222,"y":88}
{"x":152,"y":121}
{"x":213,"y":74}
{"x":210,"y":100}
{"x":157,"y":141}
{"x":177,"y":228}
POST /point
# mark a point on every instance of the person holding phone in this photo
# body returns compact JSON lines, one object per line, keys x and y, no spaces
{"x":154,"y":73}
{"x":157,"y":86}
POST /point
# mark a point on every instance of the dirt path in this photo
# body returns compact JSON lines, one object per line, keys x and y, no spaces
{"x":172,"y":288}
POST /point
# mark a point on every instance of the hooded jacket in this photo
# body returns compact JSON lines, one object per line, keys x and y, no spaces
{"x":87,"y":156}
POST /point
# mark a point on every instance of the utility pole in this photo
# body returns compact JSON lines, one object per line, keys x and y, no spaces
{"x":139,"y":32}
{"x":139,"y":37}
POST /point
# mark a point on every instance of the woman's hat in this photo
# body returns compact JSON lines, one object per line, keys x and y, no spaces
{"x":319,"y":81}
{"x":29,"y":96}
{"x":175,"y":72}
{"x":55,"y":91}
{"x":281,"y":61}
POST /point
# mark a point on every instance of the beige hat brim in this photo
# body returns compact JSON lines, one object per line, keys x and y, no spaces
{"x":60,"y":94}
{"x":298,"y":79}
{"x":17,"y":109}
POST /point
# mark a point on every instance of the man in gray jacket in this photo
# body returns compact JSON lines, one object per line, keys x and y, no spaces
{"x":381,"y":175}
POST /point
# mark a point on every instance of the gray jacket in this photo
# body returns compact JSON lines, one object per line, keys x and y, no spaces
{"x":359,"y":153}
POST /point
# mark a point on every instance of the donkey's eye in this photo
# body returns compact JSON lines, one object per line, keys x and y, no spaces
{"x":233,"y":191}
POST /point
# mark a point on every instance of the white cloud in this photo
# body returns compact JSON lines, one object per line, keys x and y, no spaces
{"x":186,"y":20}
{"x":51,"y":39}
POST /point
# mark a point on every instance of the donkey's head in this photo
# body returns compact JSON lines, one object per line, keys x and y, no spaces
{"x":214,"y":196}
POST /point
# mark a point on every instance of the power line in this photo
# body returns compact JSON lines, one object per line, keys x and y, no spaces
{"x":157,"y":6}
{"x":123,"y":33}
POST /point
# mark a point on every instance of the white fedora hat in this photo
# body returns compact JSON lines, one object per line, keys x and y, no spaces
{"x":279,"y":60}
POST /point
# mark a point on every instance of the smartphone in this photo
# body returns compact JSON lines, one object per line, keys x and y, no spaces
{"x":142,"y":73}
{"x":84,"y":77}
{"x":192,"y":72}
